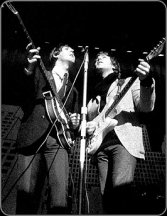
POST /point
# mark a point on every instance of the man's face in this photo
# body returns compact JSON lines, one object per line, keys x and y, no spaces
{"x":67,"y":54}
{"x":103,"y":61}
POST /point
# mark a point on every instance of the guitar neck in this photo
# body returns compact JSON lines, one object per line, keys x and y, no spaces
{"x":40,"y":60}
{"x":123,"y":92}
{"x":121,"y":95}
{"x":47,"y":76}
{"x":44,"y":71}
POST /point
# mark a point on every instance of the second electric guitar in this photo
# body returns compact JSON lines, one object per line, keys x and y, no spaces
{"x":103,"y":120}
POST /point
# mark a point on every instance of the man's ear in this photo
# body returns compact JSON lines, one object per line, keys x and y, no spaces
{"x":55,"y":55}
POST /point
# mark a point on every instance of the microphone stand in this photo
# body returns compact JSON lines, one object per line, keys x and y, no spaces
{"x":83,"y":129}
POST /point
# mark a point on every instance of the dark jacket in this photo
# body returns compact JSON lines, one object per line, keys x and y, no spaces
{"x":35,"y":123}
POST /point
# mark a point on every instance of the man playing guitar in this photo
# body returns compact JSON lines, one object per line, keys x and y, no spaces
{"x":122,"y":143}
{"x":46,"y":132}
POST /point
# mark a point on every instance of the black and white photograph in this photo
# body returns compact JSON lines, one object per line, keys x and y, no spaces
{"x":83,"y":107}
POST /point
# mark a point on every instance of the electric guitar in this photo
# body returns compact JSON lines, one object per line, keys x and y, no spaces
{"x":56,"y":111}
{"x":104,"y":120}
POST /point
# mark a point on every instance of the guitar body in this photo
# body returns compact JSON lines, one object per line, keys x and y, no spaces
{"x":102,"y":129}
{"x":59,"y":120}
{"x":104,"y":125}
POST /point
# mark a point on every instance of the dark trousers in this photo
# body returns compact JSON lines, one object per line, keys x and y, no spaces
{"x":50,"y":165}
{"x":116,"y":172}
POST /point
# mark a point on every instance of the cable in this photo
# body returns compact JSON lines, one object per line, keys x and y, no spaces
{"x":73,"y":190}
{"x":86,"y":192}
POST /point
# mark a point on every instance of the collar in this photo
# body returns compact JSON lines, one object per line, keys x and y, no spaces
{"x":59,"y":73}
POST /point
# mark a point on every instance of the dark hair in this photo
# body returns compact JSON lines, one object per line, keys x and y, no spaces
{"x":113,"y":59}
{"x":55,"y":51}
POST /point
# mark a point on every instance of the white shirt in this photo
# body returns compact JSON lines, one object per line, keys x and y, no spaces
{"x":58,"y":78}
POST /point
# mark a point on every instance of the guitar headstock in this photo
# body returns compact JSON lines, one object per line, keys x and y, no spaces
{"x":156,"y":50}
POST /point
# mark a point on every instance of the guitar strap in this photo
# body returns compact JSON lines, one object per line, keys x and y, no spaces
{"x":51,"y":79}
{"x":120,"y":83}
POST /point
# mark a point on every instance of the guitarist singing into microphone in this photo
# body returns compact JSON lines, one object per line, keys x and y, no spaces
{"x":46,"y":133}
{"x":118,"y":151}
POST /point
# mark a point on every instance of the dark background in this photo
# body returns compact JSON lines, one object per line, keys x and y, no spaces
{"x":136,"y":26}
{"x":129,"y":25}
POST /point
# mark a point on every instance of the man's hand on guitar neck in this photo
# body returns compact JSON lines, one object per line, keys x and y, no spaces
{"x":33,"y":56}
{"x":143,"y":69}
